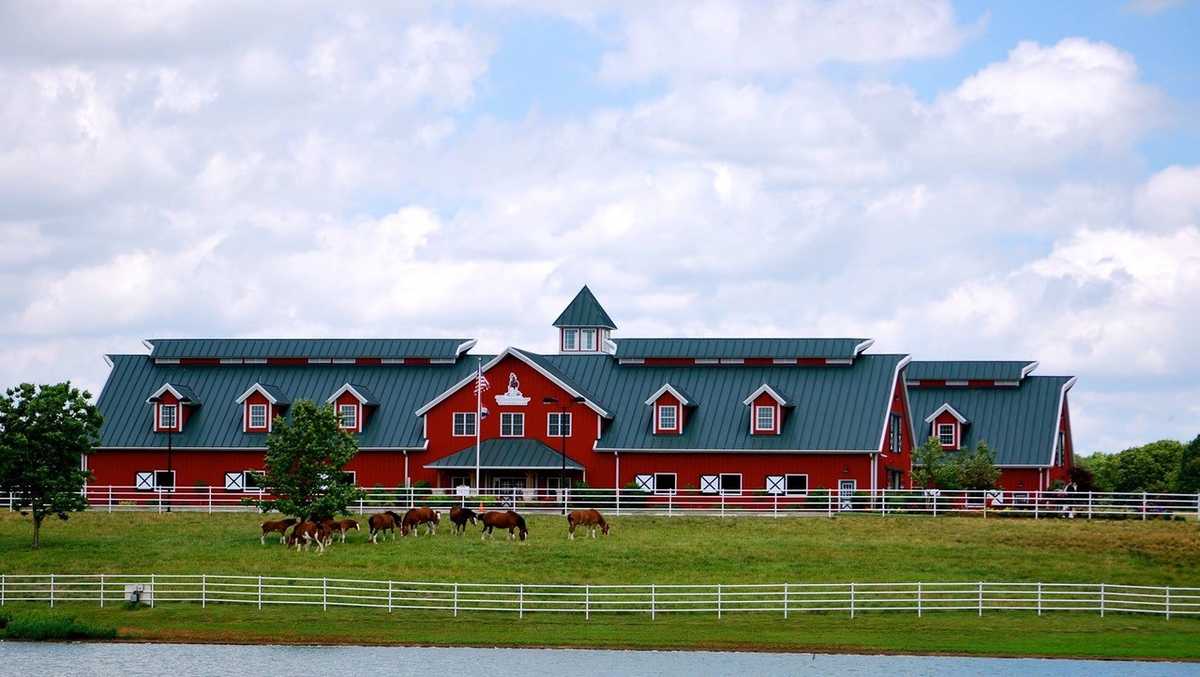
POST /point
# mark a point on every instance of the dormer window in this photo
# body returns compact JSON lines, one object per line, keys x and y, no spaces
{"x":946,"y":434}
{"x":348,"y":416}
{"x":668,"y":417}
{"x":261,"y":403}
{"x":946,"y":425}
{"x":258,"y":416}
{"x":570,"y":340}
{"x":766,"y":410}
{"x":764,"y":419}
{"x":168,"y":416}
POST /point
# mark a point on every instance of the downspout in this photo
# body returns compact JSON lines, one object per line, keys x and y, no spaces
{"x":617,"y":474}
{"x":406,"y":480}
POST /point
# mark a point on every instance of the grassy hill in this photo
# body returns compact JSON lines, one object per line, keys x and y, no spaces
{"x":650,"y":550}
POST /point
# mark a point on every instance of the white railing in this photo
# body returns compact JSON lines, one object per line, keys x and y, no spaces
{"x":1032,"y":504}
{"x":654,"y":599}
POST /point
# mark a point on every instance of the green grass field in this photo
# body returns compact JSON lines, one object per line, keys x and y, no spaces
{"x":650,"y":550}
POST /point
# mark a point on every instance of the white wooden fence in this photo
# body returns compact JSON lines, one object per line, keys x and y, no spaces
{"x":783,"y":598}
{"x":1031,"y":504}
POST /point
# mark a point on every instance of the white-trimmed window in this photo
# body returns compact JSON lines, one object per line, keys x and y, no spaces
{"x":258,"y":416}
{"x":731,"y":484}
{"x":665,"y":483}
{"x":512,"y":424}
{"x":796,"y":485}
{"x":945,"y":434}
{"x":896,"y":435}
{"x":668,"y":417}
{"x":464,"y":424}
{"x":167,"y":416}
{"x":164,"y":480}
{"x":571,"y":339}
{"x":1060,"y":454}
{"x":764,"y":419}
{"x":348,"y":416}
{"x":587,"y":339}
{"x":558,"y":424}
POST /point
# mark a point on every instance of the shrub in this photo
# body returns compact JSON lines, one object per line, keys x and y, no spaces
{"x":48,"y":625}
{"x":5,"y":617}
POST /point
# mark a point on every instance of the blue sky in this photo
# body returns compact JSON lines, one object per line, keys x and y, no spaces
{"x":968,"y":180}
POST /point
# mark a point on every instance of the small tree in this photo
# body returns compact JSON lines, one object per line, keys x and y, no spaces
{"x":1188,"y":480}
{"x":930,"y":467}
{"x":44,"y":431}
{"x":977,"y":470}
{"x":304,"y":464}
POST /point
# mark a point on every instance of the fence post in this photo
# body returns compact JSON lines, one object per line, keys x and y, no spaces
{"x":109,"y":498}
{"x":670,"y":504}
{"x":935,"y":502}
{"x":1168,"y":595}
{"x":718,"y":600}
{"x":1101,"y":600}
{"x":521,"y":600}
{"x":1143,"y":506}
{"x":619,"y":502}
{"x":153,"y":590}
{"x":851,"y":600}
{"x":651,"y":601}
{"x":587,"y":602}
{"x":203,"y":591}
{"x":324,"y":594}
{"x":260,"y":592}
{"x":1037,"y":504}
{"x":883,"y":503}
{"x":785,"y":601}
{"x":829,"y":503}
{"x":3,"y":587}
{"x":919,"y":609}
{"x":1089,"y":505}
{"x":210,"y":500}
{"x":1039,"y":598}
{"x":101,"y":591}
{"x":456,"y":600}
{"x":722,"y":503}
{"x":390,"y":595}
{"x":980,"y":598}
{"x":51,"y":591}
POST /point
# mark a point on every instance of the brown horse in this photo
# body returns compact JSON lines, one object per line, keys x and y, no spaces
{"x":414,"y":518}
{"x":306,"y":533}
{"x":280,"y":526}
{"x":340,"y":527}
{"x":504,"y":520}
{"x":382,"y":522}
{"x":586,"y":518}
{"x":460,"y":517}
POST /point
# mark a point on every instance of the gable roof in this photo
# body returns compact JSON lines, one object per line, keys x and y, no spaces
{"x":676,"y":392}
{"x":765,"y":388}
{"x":970,"y":370}
{"x":944,"y":408}
{"x":507,"y":453}
{"x":262,"y":348}
{"x":1019,"y":424}
{"x":584,"y":311}
{"x":181,"y":392}
{"x":360,"y":392}
{"x":274,"y":394}
{"x":741,"y":348}
{"x":541,"y":364}
{"x":218,"y":424}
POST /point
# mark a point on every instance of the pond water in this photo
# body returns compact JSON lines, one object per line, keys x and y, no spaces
{"x":133,"y":660}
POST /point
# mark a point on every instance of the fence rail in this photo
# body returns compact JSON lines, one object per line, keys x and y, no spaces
{"x":783,"y":598}
{"x":1032,"y":504}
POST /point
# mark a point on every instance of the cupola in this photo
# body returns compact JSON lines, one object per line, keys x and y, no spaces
{"x":584,"y":326}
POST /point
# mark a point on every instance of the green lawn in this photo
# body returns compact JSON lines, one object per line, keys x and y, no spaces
{"x":651,"y":550}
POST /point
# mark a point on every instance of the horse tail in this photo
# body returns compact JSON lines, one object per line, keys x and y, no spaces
{"x":520,"y":522}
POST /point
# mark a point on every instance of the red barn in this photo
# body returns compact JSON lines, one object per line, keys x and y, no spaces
{"x":720,"y":416}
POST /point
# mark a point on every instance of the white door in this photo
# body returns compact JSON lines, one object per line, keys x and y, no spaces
{"x":846,"y":490}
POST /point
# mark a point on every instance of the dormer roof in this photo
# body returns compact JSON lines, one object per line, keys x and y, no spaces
{"x":676,"y":392}
{"x":181,"y":392}
{"x":274,"y":394}
{"x":584,"y":311}
{"x":943,"y":409}
{"x":360,"y":393}
{"x":773,"y":392}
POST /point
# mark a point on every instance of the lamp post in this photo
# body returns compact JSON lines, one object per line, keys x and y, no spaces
{"x":562,"y":411}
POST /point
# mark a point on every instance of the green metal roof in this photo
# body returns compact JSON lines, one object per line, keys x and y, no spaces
{"x":970,"y":370}
{"x":836,"y":408}
{"x":507,"y":453}
{"x":584,"y":311}
{"x":186,"y":394}
{"x":550,"y":366}
{"x":400,"y":390}
{"x":253,"y":348}
{"x":740,"y":348}
{"x":1019,"y":424}
{"x":281,"y":398}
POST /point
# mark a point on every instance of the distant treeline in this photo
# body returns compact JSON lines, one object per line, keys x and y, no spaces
{"x":1165,"y":466}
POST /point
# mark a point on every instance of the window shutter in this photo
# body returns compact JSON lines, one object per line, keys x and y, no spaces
{"x":775,"y":484}
{"x":144,"y":481}
{"x":235,"y":481}
{"x":710,"y":484}
{"x":644,"y":482}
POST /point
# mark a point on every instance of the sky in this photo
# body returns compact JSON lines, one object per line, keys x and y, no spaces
{"x":971,"y":180}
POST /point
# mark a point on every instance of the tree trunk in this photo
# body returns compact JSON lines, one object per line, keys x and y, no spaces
{"x":37,"y":530}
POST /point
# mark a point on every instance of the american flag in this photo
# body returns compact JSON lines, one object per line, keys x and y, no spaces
{"x":481,"y":383}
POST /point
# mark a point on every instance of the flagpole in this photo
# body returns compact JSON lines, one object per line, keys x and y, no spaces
{"x":478,"y":419}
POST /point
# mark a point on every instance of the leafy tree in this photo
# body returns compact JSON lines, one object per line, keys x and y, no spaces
{"x":1083,"y":478}
{"x":1188,"y":480}
{"x":977,"y":470}
{"x":44,"y":431}
{"x":304,"y":464}
{"x":1153,"y":467}
{"x":931,"y":468}
{"x":1103,"y":468}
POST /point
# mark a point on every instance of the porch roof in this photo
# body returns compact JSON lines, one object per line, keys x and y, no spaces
{"x":506,"y":453}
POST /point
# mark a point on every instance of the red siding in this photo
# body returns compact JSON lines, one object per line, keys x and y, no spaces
{"x":893,"y":459}
{"x":823,"y":470}
{"x":191,"y":467}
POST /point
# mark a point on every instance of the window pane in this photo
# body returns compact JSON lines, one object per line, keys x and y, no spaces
{"x":946,"y":434}
{"x":731,"y":482}
{"x":666,"y":417}
{"x":766,"y":418}
{"x":569,"y":336}
{"x":797,"y":484}
{"x":587,"y":339}
{"x":664,"y":481}
{"x":349,"y":416}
